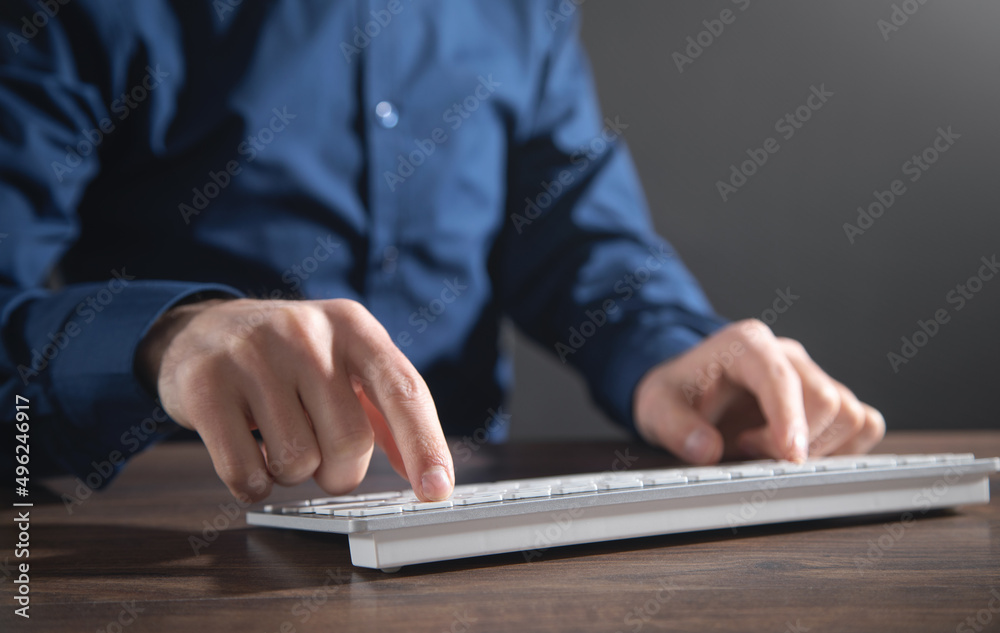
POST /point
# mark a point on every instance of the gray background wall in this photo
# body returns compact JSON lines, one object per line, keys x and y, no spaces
{"x":784,"y":228}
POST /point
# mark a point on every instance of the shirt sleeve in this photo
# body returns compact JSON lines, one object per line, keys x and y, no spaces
{"x":578,"y":264}
{"x":69,"y":352}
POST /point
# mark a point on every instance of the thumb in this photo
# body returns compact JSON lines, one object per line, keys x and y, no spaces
{"x":685,"y":432}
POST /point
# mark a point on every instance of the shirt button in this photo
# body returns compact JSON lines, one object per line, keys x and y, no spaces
{"x":387,"y":115}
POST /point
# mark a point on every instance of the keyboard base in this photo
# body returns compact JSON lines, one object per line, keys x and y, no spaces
{"x":532,"y":534}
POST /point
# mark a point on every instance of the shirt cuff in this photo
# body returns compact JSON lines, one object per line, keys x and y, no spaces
{"x":95,"y":383}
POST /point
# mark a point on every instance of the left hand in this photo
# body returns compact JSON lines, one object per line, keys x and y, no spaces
{"x":745,"y":393}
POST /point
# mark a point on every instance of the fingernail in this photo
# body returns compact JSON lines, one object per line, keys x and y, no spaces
{"x":436,"y":484}
{"x":699,"y":447}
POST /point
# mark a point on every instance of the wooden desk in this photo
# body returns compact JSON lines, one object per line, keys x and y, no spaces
{"x":129,"y":549}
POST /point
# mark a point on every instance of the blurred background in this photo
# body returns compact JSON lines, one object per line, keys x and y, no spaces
{"x":898,"y":71}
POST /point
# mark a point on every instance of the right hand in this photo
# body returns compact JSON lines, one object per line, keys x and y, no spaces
{"x":321,"y":380}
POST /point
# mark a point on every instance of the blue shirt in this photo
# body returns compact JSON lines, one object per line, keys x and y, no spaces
{"x":444,"y":163}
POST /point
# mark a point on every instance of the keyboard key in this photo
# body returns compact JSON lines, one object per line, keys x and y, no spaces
{"x":829,"y":465}
{"x":363,"y":512}
{"x":274,"y":507}
{"x":574,"y":489}
{"x":427,"y":505}
{"x":527,"y":493}
{"x":619,"y":484}
{"x":956,"y":458}
{"x":708,"y":474}
{"x":917,"y":460}
{"x":876,"y":461}
{"x":665,"y":480}
{"x":747,"y":472}
{"x":375,"y":496}
{"x":791,"y":468}
{"x":478,"y":498}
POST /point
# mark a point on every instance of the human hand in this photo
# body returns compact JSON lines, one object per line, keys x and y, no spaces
{"x":321,"y":380}
{"x":745,"y":393}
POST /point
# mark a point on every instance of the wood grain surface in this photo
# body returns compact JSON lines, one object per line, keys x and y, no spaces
{"x":124,"y":559}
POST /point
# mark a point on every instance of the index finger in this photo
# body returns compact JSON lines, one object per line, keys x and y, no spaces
{"x":766,"y":372}
{"x":400,"y":394}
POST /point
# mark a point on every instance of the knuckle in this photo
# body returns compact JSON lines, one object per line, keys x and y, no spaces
{"x":292,"y":465}
{"x":782,"y":372}
{"x":287,"y":319}
{"x":753,"y":331}
{"x":875,"y":424}
{"x":248,"y":345}
{"x":854,"y":414}
{"x":341,"y":478}
{"x":404,"y":387}
{"x":794,"y":346}
{"x":828,"y":399}
{"x":395,"y":380}
{"x":350,"y":313}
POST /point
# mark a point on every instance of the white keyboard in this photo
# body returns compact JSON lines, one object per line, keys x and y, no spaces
{"x":391,"y":529}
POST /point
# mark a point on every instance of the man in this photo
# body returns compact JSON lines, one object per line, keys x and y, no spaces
{"x":386,"y":181}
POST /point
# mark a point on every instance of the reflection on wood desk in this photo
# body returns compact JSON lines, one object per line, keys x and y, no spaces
{"x":125,"y":560}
